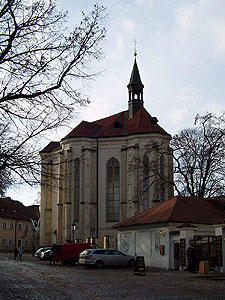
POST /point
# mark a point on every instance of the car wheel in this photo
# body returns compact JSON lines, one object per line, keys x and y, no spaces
{"x":72,"y":262}
{"x":131,"y":263}
{"x":99,"y":264}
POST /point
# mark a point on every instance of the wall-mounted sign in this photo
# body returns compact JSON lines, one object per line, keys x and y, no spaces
{"x":182,"y":252}
{"x":162,"y":250}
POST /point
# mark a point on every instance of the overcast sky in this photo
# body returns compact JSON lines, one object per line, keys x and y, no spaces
{"x":181,"y":60}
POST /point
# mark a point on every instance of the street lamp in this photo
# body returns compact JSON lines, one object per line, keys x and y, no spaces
{"x":73,"y":227}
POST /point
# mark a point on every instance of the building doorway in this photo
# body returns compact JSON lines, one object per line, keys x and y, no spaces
{"x":176,"y":256}
{"x":206,"y":250}
{"x":19,"y":243}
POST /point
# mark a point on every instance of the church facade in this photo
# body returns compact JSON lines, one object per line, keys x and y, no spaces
{"x":100,"y":173}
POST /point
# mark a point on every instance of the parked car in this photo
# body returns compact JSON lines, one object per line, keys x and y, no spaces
{"x":105,"y":257}
{"x":46,"y":255}
{"x":37,"y":254}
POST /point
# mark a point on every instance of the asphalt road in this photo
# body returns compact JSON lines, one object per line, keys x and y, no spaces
{"x":33,"y":279}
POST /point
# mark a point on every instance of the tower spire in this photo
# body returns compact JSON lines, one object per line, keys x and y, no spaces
{"x":135,"y":89}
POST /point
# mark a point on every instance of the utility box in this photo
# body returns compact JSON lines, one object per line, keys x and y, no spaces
{"x":203,"y":267}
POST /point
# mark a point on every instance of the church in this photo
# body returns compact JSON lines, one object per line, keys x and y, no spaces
{"x":93,"y":179}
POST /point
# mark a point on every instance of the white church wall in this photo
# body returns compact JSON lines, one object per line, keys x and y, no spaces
{"x":83,"y":148}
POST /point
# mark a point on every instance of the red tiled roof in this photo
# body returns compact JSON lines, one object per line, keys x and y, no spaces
{"x":51,"y":146}
{"x":84,"y":129}
{"x":113,"y":126}
{"x":181,"y":210}
{"x":11,"y":209}
{"x":118,"y":125}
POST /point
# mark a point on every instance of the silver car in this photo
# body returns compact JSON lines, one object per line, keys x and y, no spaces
{"x":37,"y":254}
{"x":105,"y":257}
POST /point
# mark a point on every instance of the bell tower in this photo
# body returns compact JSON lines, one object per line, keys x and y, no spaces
{"x":135,"y":90}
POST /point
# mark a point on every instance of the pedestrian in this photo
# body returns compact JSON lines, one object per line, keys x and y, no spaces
{"x":191,"y":257}
{"x":20,"y":252}
{"x":51,"y":260}
{"x":33,"y":251}
{"x":16,"y":253}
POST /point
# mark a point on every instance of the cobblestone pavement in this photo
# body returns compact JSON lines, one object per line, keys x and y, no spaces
{"x":34,"y":279}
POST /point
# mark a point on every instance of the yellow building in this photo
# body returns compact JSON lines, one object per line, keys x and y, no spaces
{"x":18,"y":225}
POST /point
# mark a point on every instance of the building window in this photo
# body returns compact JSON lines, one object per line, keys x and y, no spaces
{"x":26,"y":227}
{"x":11,"y":226}
{"x":4,"y":225}
{"x":146,"y":182}
{"x":76,"y":189}
{"x":19,"y":226}
{"x":113,"y":191}
{"x":26,"y":244}
{"x":10,"y":242}
{"x":3,"y":242}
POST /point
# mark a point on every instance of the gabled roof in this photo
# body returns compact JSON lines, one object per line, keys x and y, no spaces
{"x":11,"y":209}
{"x":118,"y":125}
{"x":180,"y":210}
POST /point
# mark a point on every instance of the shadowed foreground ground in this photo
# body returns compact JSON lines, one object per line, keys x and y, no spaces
{"x":33,"y":279}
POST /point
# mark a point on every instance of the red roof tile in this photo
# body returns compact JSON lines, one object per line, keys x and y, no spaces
{"x":11,"y":209}
{"x":181,"y":210}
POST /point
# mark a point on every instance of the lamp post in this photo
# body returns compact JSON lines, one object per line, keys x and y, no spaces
{"x":73,"y":227}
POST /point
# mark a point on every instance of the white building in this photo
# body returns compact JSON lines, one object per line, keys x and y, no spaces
{"x":89,"y":178}
{"x":162,"y":234}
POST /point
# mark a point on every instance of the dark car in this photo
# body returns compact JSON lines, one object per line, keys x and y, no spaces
{"x":105,"y":257}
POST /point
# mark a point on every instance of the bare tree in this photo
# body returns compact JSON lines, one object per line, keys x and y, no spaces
{"x":199,"y":157}
{"x":42,"y":71}
{"x":154,"y":169}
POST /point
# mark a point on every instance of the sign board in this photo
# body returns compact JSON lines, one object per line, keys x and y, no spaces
{"x":139,"y":268}
{"x":162,"y":250}
{"x":182,"y":252}
{"x":219,"y":251}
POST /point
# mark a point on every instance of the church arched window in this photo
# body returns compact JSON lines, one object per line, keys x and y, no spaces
{"x":113,"y":191}
{"x":162,"y":178}
{"x":146,"y":182}
{"x":76,"y":189}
